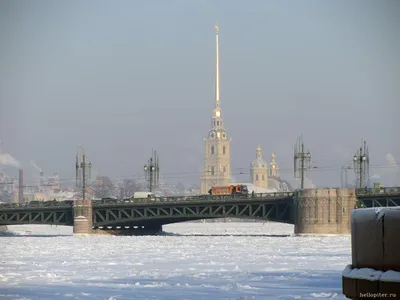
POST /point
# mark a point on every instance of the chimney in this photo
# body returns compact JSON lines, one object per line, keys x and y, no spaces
{"x":21,"y":187}
{"x":41,"y":174}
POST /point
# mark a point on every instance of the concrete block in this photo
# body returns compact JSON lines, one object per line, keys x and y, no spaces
{"x":365,"y":287}
{"x":391,"y":290}
{"x":367,"y":251}
{"x":349,"y":287}
{"x":391,"y":238}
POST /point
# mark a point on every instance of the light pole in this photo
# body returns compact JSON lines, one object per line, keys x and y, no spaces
{"x":302,"y":161}
{"x":152,"y":171}
{"x":81,"y":165}
{"x":361,"y":166}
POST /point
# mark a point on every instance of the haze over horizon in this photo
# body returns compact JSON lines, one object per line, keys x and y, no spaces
{"x":124,"y":77}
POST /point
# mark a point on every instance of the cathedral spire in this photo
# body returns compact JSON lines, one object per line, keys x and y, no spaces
{"x":217,"y":103}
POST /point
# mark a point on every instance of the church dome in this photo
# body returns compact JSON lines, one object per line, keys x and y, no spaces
{"x":259,"y":162}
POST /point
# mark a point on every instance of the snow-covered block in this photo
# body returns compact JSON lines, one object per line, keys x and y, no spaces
{"x":367,"y":239}
{"x":346,"y":272}
{"x":391,"y":238}
{"x":382,"y":211}
{"x":392,"y":276}
{"x":390,"y":284}
{"x":349,"y":285}
{"x":366,"y":274}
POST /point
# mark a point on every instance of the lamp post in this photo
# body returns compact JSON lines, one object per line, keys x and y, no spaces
{"x":302,"y":161}
{"x":152,"y":171}
{"x":361,"y":165}
{"x":81,"y":165}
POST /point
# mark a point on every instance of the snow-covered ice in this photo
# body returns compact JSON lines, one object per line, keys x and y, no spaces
{"x":190,"y":261}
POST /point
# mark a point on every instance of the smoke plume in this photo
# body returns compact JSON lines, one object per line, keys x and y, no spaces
{"x":35,"y":166}
{"x":8,"y":160}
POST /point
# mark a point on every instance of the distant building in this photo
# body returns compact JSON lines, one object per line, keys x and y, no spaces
{"x":259,"y":170}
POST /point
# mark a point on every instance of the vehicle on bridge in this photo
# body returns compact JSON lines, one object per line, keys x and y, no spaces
{"x":238,"y":189}
{"x":143,"y":195}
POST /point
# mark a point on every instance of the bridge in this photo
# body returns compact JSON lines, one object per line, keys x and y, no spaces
{"x":378,"y":197}
{"x":308,"y":210}
{"x":150,"y":214}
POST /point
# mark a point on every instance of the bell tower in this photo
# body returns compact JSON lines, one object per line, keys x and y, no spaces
{"x":273,"y":170}
{"x":258,"y":170}
{"x":217,"y":145}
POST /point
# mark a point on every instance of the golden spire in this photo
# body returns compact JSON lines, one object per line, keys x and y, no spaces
{"x":217,"y":67}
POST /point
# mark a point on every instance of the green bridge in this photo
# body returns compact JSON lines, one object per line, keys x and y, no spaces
{"x":150,"y":214}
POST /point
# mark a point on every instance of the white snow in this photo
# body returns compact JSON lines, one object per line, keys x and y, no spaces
{"x":371,"y":274}
{"x":190,"y":261}
{"x":392,"y":276}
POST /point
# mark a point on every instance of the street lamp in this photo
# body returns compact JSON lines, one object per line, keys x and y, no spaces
{"x":361,"y":165}
{"x":152,"y":171}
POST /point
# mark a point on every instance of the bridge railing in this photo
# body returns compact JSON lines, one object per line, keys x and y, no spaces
{"x":378,"y":191}
{"x":173,"y":199}
{"x":33,"y":204}
{"x":177,"y":199}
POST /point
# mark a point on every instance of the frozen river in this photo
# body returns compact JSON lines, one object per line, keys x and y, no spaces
{"x":191,"y":261}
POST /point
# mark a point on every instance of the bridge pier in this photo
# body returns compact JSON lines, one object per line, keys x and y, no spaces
{"x":83,"y":217}
{"x":375,"y":266}
{"x":323,"y":211}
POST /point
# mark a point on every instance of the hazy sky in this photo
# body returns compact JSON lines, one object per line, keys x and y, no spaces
{"x":123,"y":77}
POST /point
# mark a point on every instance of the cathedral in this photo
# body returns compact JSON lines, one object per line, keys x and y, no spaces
{"x":217,"y":166}
{"x":266,"y":175}
{"x":217,"y":162}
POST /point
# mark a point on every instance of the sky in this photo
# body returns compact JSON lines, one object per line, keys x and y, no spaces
{"x":124,"y":77}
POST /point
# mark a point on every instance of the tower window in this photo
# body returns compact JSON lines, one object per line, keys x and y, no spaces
{"x":212,"y":170}
{"x":224,"y":169}
{"x":212,"y":149}
{"x":263,"y":177}
{"x":257,"y":177}
{"x":217,"y":123}
{"x":223,"y":150}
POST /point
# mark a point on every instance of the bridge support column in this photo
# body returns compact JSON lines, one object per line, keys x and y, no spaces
{"x":152,"y":229}
{"x":324,"y":211}
{"x":83,"y":217}
{"x":375,"y":268}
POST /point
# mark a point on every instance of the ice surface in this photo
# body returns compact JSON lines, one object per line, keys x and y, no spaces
{"x":191,"y":261}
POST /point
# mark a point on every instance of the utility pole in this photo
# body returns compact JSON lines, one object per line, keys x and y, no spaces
{"x":302,"y":161}
{"x":82,"y":165}
{"x":361,"y":165}
{"x":152,"y":171}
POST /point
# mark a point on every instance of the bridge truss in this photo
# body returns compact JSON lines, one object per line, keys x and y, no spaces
{"x":165,"y":213}
{"x":379,"y":197}
{"x":42,"y":215}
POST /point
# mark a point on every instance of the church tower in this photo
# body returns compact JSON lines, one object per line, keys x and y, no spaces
{"x":217,"y":145}
{"x":259,"y":171}
{"x":273,"y":170}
